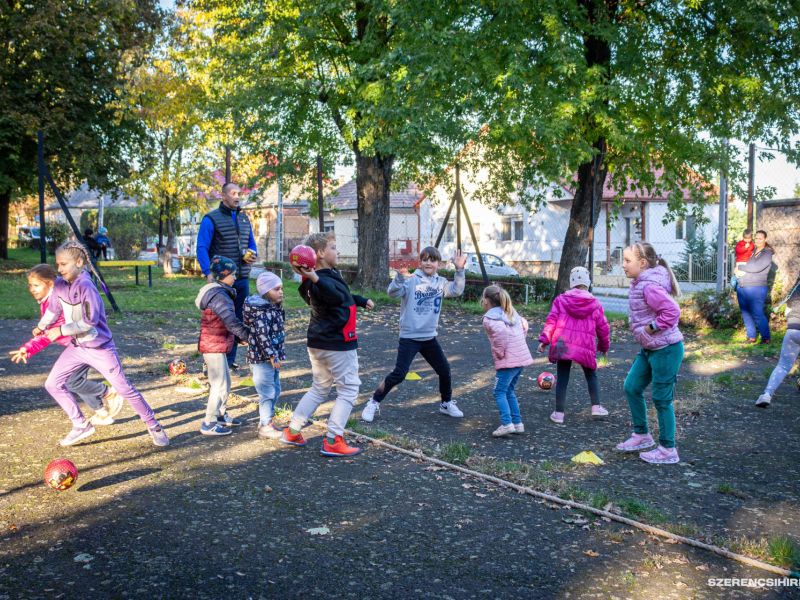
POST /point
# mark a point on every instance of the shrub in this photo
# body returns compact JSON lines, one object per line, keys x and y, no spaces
{"x":128,"y":228}
{"x":709,"y":309}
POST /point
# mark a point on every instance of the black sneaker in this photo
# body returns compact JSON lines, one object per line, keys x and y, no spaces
{"x":233,"y":366}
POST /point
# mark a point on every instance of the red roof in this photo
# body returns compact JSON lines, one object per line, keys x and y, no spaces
{"x":344,"y":198}
{"x":630,"y":194}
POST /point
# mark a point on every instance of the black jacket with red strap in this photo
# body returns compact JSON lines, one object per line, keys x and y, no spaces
{"x":333,"y":312}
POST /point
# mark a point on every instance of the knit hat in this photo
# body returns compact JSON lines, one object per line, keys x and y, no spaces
{"x":221,"y":267}
{"x":579,"y":276}
{"x":266,"y":282}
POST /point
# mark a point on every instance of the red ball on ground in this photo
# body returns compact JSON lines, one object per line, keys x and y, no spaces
{"x":177,"y":367}
{"x":546,"y":380}
{"x":61,"y":474}
{"x":303,"y":256}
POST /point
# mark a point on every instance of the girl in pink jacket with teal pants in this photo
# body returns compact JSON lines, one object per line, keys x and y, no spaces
{"x":506,"y":331}
{"x":654,"y":316}
{"x":576,"y":329}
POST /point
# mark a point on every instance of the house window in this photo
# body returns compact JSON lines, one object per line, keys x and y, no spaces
{"x":512,"y":230}
{"x":328,"y":225}
{"x":685,"y":229}
{"x":450,"y":232}
{"x":355,"y":231}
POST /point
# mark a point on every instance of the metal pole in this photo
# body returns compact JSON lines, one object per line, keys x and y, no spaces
{"x":751,"y":184}
{"x":722,"y":248}
{"x":279,"y":223}
{"x":458,"y":207}
{"x":227,"y":164}
{"x":320,"y":199}
{"x":40,"y":169}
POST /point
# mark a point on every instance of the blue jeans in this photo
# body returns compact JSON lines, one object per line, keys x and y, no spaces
{"x":504,"y":383}
{"x":268,"y":385}
{"x":751,"y":303}
{"x":242,"y":287}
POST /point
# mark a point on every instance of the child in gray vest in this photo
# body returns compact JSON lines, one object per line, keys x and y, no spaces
{"x":421,"y":295}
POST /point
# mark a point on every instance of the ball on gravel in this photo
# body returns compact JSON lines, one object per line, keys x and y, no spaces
{"x":61,"y":474}
{"x":303,"y":256}
{"x":177,"y":367}
{"x":546,"y":380}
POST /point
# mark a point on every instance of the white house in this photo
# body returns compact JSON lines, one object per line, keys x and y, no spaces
{"x":531,"y":240}
{"x":410,"y":223}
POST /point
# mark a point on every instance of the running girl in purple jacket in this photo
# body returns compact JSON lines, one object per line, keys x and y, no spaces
{"x":576,"y":329}
{"x":654,"y":316}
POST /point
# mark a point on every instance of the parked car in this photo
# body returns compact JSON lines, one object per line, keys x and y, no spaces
{"x":494,"y":265}
{"x":29,"y":237}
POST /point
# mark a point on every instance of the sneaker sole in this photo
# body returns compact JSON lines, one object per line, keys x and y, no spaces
{"x":661,"y":462}
{"x":763,"y":404}
{"x":447,"y":414}
{"x":288,"y":443}
{"x":556,"y":422}
{"x":216,"y":433}
{"x":636,"y":449}
{"x":83,"y":436}
{"x":337,"y":455}
{"x":102,"y":422}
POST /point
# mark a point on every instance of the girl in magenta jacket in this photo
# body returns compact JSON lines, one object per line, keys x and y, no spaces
{"x":575,"y":330}
{"x":506,"y":331}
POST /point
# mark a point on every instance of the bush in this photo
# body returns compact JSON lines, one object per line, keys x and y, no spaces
{"x":128,"y":228}
{"x":709,"y":309}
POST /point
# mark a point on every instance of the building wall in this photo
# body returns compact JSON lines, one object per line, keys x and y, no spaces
{"x":781,"y":220}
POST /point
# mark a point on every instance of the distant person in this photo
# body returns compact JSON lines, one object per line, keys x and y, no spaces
{"x":102,"y":240}
{"x":752,"y":289}
{"x":226,"y":231}
{"x":91,"y":243}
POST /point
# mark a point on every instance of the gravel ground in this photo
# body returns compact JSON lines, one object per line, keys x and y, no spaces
{"x":245,"y":518}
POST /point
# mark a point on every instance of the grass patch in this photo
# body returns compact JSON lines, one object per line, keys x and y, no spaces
{"x":683,"y":529}
{"x":283,"y":412}
{"x":729,"y":490}
{"x":784,"y":551}
{"x":725,"y":379}
{"x":456,"y":453}
{"x":641,"y":510}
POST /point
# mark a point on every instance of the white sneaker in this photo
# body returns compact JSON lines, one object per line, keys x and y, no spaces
{"x":763,"y":401}
{"x":450,"y":409}
{"x":114,"y":401}
{"x":368,"y":414}
{"x":519,"y":428}
{"x":101,"y":417}
{"x":504,"y":430}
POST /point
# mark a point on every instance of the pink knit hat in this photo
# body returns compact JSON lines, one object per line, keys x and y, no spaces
{"x":266,"y":282}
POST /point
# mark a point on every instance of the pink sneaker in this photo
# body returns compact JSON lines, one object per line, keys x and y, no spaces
{"x":661,"y":456}
{"x":598,"y":411}
{"x":636,"y":442}
{"x":557,"y":417}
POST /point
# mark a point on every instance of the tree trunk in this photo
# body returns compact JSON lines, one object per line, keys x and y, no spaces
{"x":167,"y":258}
{"x":5,"y":201}
{"x":373,"y":178}
{"x":576,"y":242}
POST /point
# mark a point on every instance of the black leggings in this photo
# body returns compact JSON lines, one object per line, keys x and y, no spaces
{"x":562,"y":381}
{"x":407,"y":349}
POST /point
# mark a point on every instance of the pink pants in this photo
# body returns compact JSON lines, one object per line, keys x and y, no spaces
{"x":106,"y":362}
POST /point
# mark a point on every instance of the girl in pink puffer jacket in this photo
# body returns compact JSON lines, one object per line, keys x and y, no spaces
{"x":576,"y":329}
{"x":506,"y":331}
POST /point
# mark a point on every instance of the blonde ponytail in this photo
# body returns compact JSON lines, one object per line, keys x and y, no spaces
{"x":646,"y":251}
{"x":497,"y":296}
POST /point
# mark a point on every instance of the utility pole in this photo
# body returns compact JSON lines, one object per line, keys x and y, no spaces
{"x":320,"y":199}
{"x":722,"y":231}
{"x":40,"y":163}
{"x":279,"y":222}
{"x":751,"y":184}
{"x":227,"y":164}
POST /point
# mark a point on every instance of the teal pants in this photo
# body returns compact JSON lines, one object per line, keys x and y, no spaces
{"x":661,"y":368}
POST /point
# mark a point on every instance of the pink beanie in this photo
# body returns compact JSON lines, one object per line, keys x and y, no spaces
{"x":267,"y":281}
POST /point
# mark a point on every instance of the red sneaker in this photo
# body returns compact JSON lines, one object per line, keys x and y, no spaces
{"x":292,"y":439}
{"x":338,"y":448}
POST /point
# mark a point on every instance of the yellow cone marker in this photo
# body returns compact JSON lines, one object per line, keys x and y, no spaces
{"x":587,"y":457}
{"x":412,"y":376}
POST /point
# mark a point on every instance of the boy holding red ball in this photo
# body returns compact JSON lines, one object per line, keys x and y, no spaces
{"x":332,"y":343}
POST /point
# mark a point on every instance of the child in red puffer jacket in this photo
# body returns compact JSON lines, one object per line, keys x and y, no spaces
{"x":576,"y":329}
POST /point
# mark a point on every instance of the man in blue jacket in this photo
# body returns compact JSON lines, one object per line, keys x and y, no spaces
{"x":227,"y":232}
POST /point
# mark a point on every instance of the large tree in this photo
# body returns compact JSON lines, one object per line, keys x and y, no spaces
{"x":62,"y":65}
{"x":578,"y":91}
{"x":364,"y":76}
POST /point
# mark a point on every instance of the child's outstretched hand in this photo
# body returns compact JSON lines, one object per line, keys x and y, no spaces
{"x":459,"y":260}
{"x":36,"y":332}
{"x":19,"y":356}
{"x":276,"y":364}
{"x":370,"y":305}
{"x":53,"y":334}
{"x":306,"y":272}
{"x":541,"y":347}
{"x":404,"y":272}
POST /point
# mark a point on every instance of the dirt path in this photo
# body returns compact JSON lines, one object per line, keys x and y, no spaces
{"x":197,"y":520}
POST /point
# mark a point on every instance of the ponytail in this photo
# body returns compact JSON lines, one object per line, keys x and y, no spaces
{"x":497,"y":296}
{"x":646,"y":251}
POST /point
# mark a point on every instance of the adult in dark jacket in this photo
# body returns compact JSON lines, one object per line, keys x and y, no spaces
{"x":219,"y":326}
{"x":790,"y":348}
{"x":226,"y":231}
{"x":752,"y":289}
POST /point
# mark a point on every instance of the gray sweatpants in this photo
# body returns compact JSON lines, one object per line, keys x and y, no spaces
{"x":328,"y":368}
{"x":91,"y":392}
{"x":789,"y":352}
{"x":219,"y":378}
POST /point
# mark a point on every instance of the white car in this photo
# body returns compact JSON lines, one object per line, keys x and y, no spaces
{"x":494,"y":265}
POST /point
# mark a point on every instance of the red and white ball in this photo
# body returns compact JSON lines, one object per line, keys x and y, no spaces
{"x":303,"y":256}
{"x":61,"y":474}
{"x":177,"y":367}
{"x":546,"y":380}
